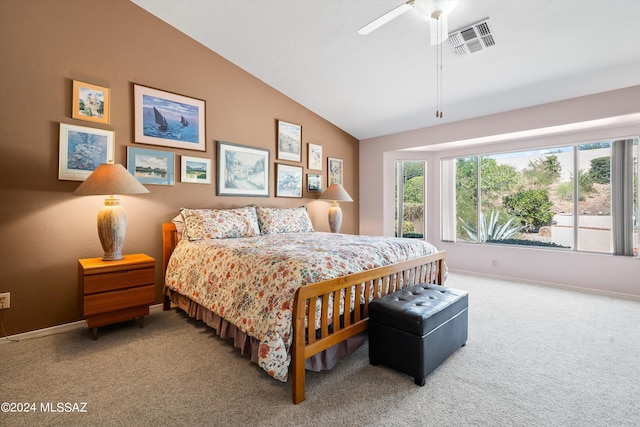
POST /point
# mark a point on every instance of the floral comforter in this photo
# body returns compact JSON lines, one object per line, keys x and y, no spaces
{"x":251,"y":281}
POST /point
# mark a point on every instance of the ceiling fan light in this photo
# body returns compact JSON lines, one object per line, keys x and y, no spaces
{"x":449,"y":6}
{"x":433,"y":9}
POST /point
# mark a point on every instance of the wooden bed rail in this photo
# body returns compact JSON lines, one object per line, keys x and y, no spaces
{"x":355,"y":291}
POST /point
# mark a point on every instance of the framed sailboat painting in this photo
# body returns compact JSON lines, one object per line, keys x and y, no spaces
{"x":168,"y":119}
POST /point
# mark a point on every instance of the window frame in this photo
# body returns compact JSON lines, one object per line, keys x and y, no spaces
{"x":448,"y":183}
{"x":399,"y":195}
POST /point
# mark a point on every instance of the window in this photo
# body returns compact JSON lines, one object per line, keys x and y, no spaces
{"x":409,"y":199}
{"x":581,"y":197}
{"x":594,"y":197}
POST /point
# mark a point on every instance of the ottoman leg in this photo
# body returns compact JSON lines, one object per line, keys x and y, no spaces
{"x":420,"y":381}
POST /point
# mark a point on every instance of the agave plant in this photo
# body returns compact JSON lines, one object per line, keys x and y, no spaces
{"x":491,"y":230}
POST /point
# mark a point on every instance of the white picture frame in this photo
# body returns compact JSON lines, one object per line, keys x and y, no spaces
{"x":289,"y":141}
{"x":195,"y":170}
{"x":82,"y":150}
{"x":314,"y":157}
{"x":289,"y":180}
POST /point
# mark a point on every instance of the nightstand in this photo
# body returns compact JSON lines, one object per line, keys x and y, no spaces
{"x":114,"y":291}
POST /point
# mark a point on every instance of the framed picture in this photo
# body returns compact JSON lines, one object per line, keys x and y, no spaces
{"x":314,"y":183}
{"x":151,"y":166}
{"x":334,"y":171}
{"x":314,"y":158}
{"x":90,"y":102}
{"x":242,"y":170}
{"x":168,"y":119}
{"x":82,"y":150}
{"x":289,"y":182}
{"x":195,"y":169}
{"x":289,"y":141}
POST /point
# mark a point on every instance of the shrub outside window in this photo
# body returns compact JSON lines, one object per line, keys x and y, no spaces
{"x":576,"y":197}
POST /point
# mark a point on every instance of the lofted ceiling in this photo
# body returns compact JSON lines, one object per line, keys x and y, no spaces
{"x":385,"y":82}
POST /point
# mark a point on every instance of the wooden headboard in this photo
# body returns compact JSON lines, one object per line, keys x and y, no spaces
{"x":169,"y":241}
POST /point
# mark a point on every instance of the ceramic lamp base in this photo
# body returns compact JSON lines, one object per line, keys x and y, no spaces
{"x":335,"y":218}
{"x":112,"y":228}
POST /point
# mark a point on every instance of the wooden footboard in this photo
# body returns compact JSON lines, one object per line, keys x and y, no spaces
{"x":355,"y":291}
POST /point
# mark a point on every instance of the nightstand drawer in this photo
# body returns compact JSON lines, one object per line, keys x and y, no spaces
{"x":118,"y":280}
{"x":108,"y":301}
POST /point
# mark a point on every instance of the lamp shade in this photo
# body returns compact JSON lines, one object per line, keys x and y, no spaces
{"x":336,"y":192}
{"x":110,"y":178}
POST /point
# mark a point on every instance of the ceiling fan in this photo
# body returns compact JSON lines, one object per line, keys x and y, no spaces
{"x":435,"y":11}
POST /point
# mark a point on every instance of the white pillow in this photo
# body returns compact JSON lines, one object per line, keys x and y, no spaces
{"x":178,"y":221}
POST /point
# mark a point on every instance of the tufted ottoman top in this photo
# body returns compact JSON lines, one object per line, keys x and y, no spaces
{"x":418,"y":309}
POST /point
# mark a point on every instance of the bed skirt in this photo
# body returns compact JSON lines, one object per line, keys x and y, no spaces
{"x":250,"y":345}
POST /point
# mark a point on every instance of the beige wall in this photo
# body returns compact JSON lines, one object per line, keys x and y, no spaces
{"x":44,"y":46}
{"x":602,"y":116}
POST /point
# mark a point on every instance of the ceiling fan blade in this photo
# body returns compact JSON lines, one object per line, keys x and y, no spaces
{"x":439,"y":29}
{"x":379,"y":22}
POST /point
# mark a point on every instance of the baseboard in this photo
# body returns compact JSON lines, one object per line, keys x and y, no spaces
{"x":550,"y":285}
{"x":59,"y":329}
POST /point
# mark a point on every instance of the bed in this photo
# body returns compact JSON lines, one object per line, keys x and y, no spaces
{"x":291,"y":297}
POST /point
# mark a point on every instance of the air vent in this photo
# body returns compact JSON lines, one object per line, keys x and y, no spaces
{"x":472,"y":39}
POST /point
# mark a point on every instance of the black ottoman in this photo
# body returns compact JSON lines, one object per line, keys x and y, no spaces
{"x":415,"y":329}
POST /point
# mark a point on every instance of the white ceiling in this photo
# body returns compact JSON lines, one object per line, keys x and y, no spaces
{"x":385,"y":82}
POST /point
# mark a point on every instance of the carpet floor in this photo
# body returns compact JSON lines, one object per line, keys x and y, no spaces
{"x":536,"y":356}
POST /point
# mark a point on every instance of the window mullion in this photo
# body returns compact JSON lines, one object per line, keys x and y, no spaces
{"x":576,"y":195}
{"x":400,"y":198}
{"x":480,"y":231}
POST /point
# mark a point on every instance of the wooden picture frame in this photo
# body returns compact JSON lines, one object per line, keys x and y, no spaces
{"x":195,"y":170}
{"x":168,"y":119}
{"x":82,"y":150}
{"x":289,"y":181}
{"x":242,"y":170}
{"x":314,"y":157}
{"x":91,"y":102}
{"x":334,"y":171}
{"x":314,"y":183}
{"x":151,"y":166}
{"x":289,"y":141}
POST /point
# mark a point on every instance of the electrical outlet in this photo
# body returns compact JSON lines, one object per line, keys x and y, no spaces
{"x":5,"y":300}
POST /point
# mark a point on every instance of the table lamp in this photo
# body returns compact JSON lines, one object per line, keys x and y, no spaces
{"x":335,"y":192}
{"x":110,"y":179}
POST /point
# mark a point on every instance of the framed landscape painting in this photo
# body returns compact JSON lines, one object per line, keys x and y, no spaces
{"x":168,"y":119}
{"x":195,"y":169}
{"x":82,"y":150}
{"x":90,"y":102}
{"x":242,"y":170}
{"x":151,"y":166}
{"x":289,"y":141}
{"x":289,"y":182}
